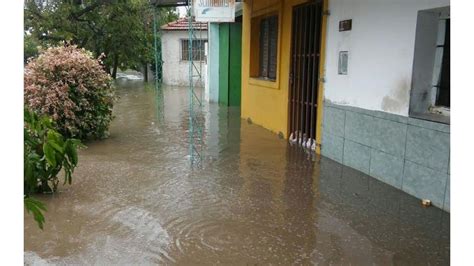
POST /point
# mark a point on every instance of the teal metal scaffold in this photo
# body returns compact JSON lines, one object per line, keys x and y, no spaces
{"x":158,"y":61}
{"x":196,"y":81}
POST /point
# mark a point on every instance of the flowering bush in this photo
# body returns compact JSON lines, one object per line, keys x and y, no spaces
{"x":70,"y":86}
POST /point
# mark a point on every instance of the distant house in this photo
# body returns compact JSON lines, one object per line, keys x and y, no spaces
{"x":175,"y":47}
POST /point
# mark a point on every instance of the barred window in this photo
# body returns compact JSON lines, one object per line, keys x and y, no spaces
{"x":198,"y":50}
{"x":268,"y":47}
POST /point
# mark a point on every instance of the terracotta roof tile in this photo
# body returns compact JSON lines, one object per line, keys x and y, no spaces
{"x":182,"y":24}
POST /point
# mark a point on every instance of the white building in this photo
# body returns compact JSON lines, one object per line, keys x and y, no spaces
{"x":174,"y":47}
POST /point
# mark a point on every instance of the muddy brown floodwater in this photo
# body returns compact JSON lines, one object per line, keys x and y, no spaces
{"x":256,"y":200}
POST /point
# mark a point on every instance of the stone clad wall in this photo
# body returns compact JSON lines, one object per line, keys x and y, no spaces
{"x":410,"y":154}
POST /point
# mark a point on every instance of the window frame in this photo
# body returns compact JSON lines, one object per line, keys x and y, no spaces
{"x":424,"y":92}
{"x":182,"y":57}
{"x":444,"y":61}
{"x":254,"y":58}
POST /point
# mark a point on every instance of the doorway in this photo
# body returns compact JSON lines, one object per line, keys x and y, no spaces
{"x":230,"y":62}
{"x":304,"y":73}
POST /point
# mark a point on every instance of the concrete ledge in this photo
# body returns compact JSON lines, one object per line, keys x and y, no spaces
{"x":379,"y":114}
{"x":429,"y":125}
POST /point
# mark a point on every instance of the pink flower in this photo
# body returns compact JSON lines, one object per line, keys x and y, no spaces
{"x":71,"y":86}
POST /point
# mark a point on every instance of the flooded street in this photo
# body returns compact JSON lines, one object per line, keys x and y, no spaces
{"x":257,"y":200}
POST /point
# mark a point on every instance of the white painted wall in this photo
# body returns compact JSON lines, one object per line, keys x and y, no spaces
{"x":206,"y":74}
{"x":381,"y":47}
{"x":176,"y":71}
{"x":213,"y":62}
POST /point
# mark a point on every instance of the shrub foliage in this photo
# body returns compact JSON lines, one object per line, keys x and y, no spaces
{"x":70,"y":86}
{"x":46,"y":153}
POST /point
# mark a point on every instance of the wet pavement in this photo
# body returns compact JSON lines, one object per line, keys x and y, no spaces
{"x":256,"y":200}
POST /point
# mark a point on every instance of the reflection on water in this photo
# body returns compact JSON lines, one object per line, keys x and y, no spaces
{"x":134,"y":199}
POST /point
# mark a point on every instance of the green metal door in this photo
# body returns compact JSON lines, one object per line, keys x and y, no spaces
{"x":235,"y":64}
{"x":230,"y":63}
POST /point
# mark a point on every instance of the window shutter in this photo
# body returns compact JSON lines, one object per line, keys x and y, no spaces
{"x":264,"y":49}
{"x":268,"y":47}
{"x":273,"y":41}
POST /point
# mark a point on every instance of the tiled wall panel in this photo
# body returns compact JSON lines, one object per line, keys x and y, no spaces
{"x":407,"y":153}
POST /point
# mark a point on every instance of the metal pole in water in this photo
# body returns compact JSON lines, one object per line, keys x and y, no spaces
{"x":156,"y":47}
{"x":191,"y":88}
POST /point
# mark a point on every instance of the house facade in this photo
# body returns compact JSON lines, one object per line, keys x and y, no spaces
{"x":365,"y":83}
{"x":175,"y":41}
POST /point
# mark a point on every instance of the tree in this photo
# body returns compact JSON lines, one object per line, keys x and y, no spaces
{"x":30,"y":49}
{"x":120,"y":29}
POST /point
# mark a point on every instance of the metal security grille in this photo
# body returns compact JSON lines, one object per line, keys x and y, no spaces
{"x":198,"y":51}
{"x":304,"y":76}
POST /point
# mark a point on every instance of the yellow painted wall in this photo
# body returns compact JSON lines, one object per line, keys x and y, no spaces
{"x":266,"y":102}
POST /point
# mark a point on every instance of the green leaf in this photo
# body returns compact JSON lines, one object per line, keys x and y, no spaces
{"x":77,"y":143}
{"x":49,"y":154}
{"x":55,"y":140}
{"x":68,"y":177}
{"x":37,"y":208}
{"x":71,"y":150}
{"x":47,"y":122}
{"x":56,"y":146}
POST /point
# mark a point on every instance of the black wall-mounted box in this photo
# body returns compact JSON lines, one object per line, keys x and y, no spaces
{"x":345,"y":25}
